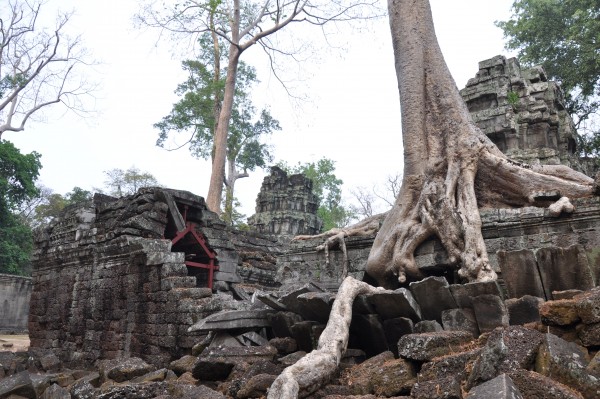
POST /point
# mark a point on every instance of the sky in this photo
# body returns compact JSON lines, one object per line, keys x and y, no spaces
{"x":350,"y":110}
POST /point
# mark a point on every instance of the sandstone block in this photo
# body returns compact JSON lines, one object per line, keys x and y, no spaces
{"x":490,"y":312}
{"x":501,"y":387}
{"x":523,"y":310}
{"x":589,"y":334}
{"x":427,"y":346}
{"x":456,"y":366}
{"x":562,"y":312}
{"x":460,"y":320}
{"x":520,"y":273}
{"x":427,"y":326}
{"x":534,"y":385}
{"x":433,"y":296}
{"x":398,"y":303}
{"x":56,"y":392}
{"x":588,"y":306}
{"x":447,"y":388}
{"x":256,"y":386}
{"x":463,"y":293}
{"x":18,"y":384}
{"x":394,"y":329}
{"x":285,"y":345}
{"x":368,"y":334}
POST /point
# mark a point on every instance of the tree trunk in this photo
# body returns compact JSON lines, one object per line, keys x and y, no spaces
{"x":450,"y":167}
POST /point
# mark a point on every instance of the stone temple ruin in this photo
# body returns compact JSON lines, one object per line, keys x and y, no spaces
{"x":197,"y":309}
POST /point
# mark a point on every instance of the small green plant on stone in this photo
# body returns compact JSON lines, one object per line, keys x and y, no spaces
{"x":513,"y":99}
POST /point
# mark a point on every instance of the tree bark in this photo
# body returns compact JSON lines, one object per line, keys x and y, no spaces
{"x":451,"y":168}
{"x":308,"y":374}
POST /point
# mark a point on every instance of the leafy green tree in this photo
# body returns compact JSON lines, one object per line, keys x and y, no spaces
{"x":48,"y":205}
{"x":127,"y":182}
{"x":563,"y":36}
{"x":328,"y":188}
{"x":18,"y":173}
{"x":197,"y":112}
{"x":241,"y":25}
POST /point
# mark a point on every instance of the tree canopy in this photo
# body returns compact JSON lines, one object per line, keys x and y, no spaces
{"x":18,"y":173}
{"x":196,"y":115}
{"x":126,"y":182}
{"x":563,"y":36}
{"x":241,"y":24}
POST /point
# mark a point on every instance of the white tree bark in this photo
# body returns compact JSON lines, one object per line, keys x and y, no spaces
{"x":315,"y":369}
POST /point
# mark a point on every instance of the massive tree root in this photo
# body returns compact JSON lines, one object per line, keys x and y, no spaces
{"x":308,"y":374}
{"x":451,"y":168}
{"x":337,"y":237}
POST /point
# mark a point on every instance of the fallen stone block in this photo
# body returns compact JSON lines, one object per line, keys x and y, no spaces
{"x":427,"y":326}
{"x":251,"y":338}
{"x":490,"y":312}
{"x":506,"y":350}
{"x":588,"y":306}
{"x":284,"y":345}
{"x":520,"y":273}
{"x":426,"y":346}
{"x":18,"y":384}
{"x":304,"y":334}
{"x":282,"y":322}
{"x":123,"y":369}
{"x":393,"y":304}
{"x":559,"y":313}
{"x":233,"y":319}
{"x":564,"y":269}
{"x":565,"y":362}
{"x":463,"y":293}
{"x":256,"y":386}
{"x":186,"y":391}
{"x":433,"y":296}
{"x":589,"y":334}
{"x":290,"y":301}
{"x":446,"y":388}
{"x":501,"y":387}
{"x":460,"y":320}
{"x":523,"y":310}
{"x":566,"y":294}
{"x":271,"y":300}
{"x":535,"y":385}
{"x":213,"y":369}
{"x":56,"y":392}
{"x":456,"y":365}
{"x":315,"y":305}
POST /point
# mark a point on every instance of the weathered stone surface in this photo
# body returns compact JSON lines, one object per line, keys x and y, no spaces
{"x":381,"y":375}
{"x":589,"y":334}
{"x":213,"y":369}
{"x":565,"y":362}
{"x":427,"y":346}
{"x":256,"y":386}
{"x":292,"y":358}
{"x":15,"y":292}
{"x":501,"y":387}
{"x":120,"y":369}
{"x":507,"y":349}
{"x":82,"y":389}
{"x":520,"y":273}
{"x":398,"y":303}
{"x":523,"y":310}
{"x":18,"y":384}
{"x":153,"y":376}
{"x":566,"y":294}
{"x":463,"y":293}
{"x":56,"y":392}
{"x":427,"y":326}
{"x":564,"y":269}
{"x":284,"y":345}
{"x":282,"y":322}
{"x":490,"y":312}
{"x":433,"y":296}
{"x":562,"y":312}
{"x":594,"y":366}
{"x":460,"y":320}
{"x":446,"y":388}
{"x":184,"y":391}
{"x":286,"y":205}
{"x":588,"y":306}
{"x":233,"y":319}
{"x":316,"y":305}
{"x":306,"y":334}
{"x":534,"y":385}
{"x":456,"y":365}
{"x":50,"y":362}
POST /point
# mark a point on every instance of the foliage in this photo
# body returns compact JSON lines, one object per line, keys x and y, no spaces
{"x":127,"y":182}
{"x":48,"y":205}
{"x":563,"y":35}
{"x":231,"y":216}
{"x":38,"y":67}
{"x":18,"y":173}
{"x":196,"y":114}
{"x":327,"y":187}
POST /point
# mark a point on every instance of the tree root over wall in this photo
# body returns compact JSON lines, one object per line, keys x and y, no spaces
{"x":315,"y":369}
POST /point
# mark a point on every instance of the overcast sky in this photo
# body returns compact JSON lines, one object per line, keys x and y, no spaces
{"x":351,"y":115}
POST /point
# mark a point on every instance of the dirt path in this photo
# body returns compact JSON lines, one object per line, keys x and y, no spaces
{"x":14,"y":343}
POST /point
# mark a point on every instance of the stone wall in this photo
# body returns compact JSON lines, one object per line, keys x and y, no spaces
{"x":106,"y":284}
{"x":14,"y":302}
{"x":522,"y":112}
{"x":532,"y":252}
{"x":286,"y":205}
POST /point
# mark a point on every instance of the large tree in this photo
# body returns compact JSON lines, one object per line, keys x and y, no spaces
{"x":242,"y":24}
{"x":563,"y":35}
{"x":196,"y":113}
{"x":451,"y":169}
{"x":38,"y":67}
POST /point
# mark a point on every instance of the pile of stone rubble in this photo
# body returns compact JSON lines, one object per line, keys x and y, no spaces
{"x":433,"y":340}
